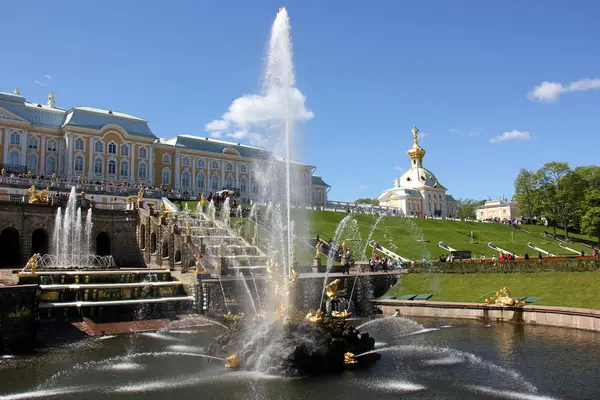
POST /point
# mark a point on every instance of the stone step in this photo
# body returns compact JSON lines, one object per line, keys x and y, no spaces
{"x":115,"y":302}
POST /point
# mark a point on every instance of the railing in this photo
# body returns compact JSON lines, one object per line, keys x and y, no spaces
{"x":111,"y":206}
{"x":21,"y":169}
{"x":12,"y":198}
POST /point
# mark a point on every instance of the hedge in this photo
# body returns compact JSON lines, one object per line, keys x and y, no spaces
{"x":565,"y":265}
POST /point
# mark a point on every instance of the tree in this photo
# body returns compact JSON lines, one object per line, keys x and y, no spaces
{"x":527,"y":192}
{"x":366,"y":200}
{"x":465,"y":208}
{"x":590,"y":219}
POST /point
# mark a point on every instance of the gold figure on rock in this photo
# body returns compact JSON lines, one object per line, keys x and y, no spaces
{"x":36,"y":197}
{"x":316,"y":317}
{"x":503,"y":298}
{"x":349,"y":359}
{"x":233,"y":317}
{"x":333,"y":291}
{"x":341,"y":314}
{"x":233,"y":362}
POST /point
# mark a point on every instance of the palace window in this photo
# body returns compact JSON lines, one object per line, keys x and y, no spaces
{"x":98,"y":166}
{"x":142,"y":153}
{"x":142,"y":171}
{"x":201,"y":180}
{"x":229,"y":182}
{"x":125,"y":150}
{"x":99,"y":147}
{"x":319,"y":195}
{"x":124,"y":168}
{"x":185,"y":161}
{"x":32,"y":162}
{"x":200,"y":163}
{"x":243,"y":169}
{"x":166,"y":159}
{"x":314,"y":195}
{"x":33,"y":143}
{"x":243,"y":186}
{"x":214,"y":182}
{"x":79,"y":144}
{"x":13,"y":158}
{"x":51,"y":165}
{"x":78,"y":164}
{"x":166,"y":176}
{"x":51,"y":145}
{"x":215,"y":165}
{"x":112,"y":149}
{"x":185,"y":179}
{"x":229,"y":167}
{"x":305,"y":176}
{"x":112,"y":166}
{"x":15,"y":138}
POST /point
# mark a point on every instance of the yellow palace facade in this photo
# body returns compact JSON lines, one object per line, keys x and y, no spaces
{"x":108,"y":146}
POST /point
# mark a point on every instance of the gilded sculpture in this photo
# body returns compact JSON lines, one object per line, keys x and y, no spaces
{"x":36,"y":197}
{"x":233,"y":362}
{"x":503,"y":299}
{"x":333,"y":291}
{"x":349,"y":359}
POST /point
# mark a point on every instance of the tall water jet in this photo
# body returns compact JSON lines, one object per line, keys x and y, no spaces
{"x":88,"y":231}
{"x":57,"y":231}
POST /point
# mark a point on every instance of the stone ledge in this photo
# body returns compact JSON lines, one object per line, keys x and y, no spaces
{"x":568,"y":317}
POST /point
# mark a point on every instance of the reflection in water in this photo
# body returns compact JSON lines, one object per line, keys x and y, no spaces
{"x":464,"y":361}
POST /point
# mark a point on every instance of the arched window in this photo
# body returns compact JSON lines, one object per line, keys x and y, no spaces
{"x":51,"y":145}
{"x":79,"y":144}
{"x":51,"y":165}
{"x":99,"y":147}
{"x":166,"y":159}
{"x":112,"y":149}
{"x":78,"y":164}
{"x":166,"y":176}
{"x":215,"y":165}
{"x":142,"y":171}
{"x":125,"y":150}
{"x":243,"y":186}
{"x":15,"y":138}
{"x":214,"y":182}
{"x":124,"y":168}
{"x":112,"y":167}
{"x":13,"y":158}
{"x":229,"y":167}
{"x":305,"y":176}
{"x":32,"y":143}
{"x":185,"y":179}
{"x":229,"y":182}
{"x":32,"y":162}
{"x":142,"y":153}
{"x":185,"y":161}
{"x":200,"y":163}
{"x":98,"y":166}
{"x":243,"y":169}
{"x":201,"y":180}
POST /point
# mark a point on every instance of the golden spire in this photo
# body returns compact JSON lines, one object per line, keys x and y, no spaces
{"x":416,"y":152}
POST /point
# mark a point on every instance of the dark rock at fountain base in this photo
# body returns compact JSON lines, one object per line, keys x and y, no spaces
{"x":297,"y":348}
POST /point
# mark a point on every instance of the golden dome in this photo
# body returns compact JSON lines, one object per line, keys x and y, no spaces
{"x":416,"y":152}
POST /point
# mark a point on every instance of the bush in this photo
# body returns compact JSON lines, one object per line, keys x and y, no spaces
{"x":469,"y":267}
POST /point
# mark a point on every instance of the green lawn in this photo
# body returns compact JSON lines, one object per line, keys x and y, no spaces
{"x":568,"y":289}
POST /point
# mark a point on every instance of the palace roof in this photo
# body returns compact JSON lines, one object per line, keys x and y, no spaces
{"x":95,"y":118}
{"x":317,"y":180}
{"x":37,"y":114}
{"x":216,"y":146}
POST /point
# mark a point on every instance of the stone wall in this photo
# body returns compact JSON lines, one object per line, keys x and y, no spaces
{"x":578,"y":318}
{"x":18,"y":312}
{"x":120,"y":226}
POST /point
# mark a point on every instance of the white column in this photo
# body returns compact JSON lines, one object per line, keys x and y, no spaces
{"x":132,"y":162}
{"x":24,"y":147}
{"x":42,"y":160}
{"x":92,"y":144}
{"x":177,"y":180}
{"x":150,"y":164}
{"x":69,"y":149}
{"x":6,"y":144}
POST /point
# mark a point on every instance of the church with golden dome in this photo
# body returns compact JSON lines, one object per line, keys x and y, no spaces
{"x":418,"y":192}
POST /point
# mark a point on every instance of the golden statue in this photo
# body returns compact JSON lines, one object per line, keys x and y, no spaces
{"x":3,"y":172}
{"x":503,"y":299}
{"x":318,"y":248}
{"x":293,"y":278}
{"x":415,"y":132}
{"x":341,"y":314}
{"x":32,"y":263}
{"x":36,"y":197}
{"x":233,"y":317}
{"x":316,"y":317}
{"x":349,"y":358}
{"x":188,"y":229}
{"x":332,"y":290}
{"x":232,"y":362}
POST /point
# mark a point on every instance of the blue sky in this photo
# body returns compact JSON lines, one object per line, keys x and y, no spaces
{"x":459,"y":70}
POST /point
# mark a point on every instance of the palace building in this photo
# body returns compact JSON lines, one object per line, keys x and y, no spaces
{"x":418,"y":192}
{"x":104,"y":145}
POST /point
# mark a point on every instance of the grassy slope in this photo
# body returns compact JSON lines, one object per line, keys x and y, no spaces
{"x":569,"y":289}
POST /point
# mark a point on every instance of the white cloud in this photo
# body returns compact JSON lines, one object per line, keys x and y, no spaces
{"x":258,"y":140}
{"x":549,"y":92}
{"x":259,"y":111}
{"x":216,"y":135}
{"x":512,"y":135}
{"x":362,"y":187}
{"x":40,"y":82}
{"x":216,"y":126}
{"x":48,"y":77}
{"x":398,"y":168}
